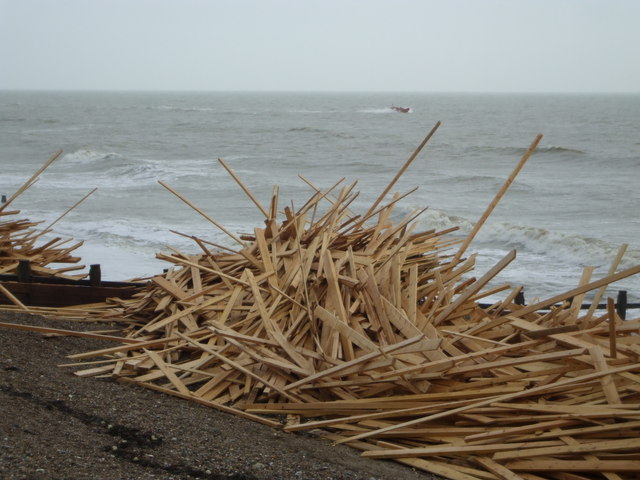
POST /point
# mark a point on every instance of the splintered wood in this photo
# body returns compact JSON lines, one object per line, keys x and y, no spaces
{"x":371,"y":333}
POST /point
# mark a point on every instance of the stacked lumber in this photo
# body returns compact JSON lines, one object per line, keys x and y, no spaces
{"x":25,"y":240}
{"x":371,"y":333}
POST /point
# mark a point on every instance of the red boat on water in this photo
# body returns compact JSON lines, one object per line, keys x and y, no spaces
{"x":401,"y":109}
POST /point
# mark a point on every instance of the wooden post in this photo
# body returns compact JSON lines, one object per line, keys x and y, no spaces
{"x":24,"y":271}
{"x":94,"y":275}
{"x":621,"y":304}
{"x":612,"y":328}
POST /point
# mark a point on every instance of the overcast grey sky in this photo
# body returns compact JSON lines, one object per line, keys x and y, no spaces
{"x":322,"y":45}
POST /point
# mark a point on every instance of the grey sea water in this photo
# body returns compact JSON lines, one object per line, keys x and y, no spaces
{"x":573,"y":205}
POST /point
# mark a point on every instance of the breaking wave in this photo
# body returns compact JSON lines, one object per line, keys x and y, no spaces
{"x":111,"y":169}
{"x":566,"y":248}
{"x":87,"y":155}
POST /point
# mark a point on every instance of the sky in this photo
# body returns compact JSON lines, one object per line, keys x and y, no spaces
{"x":321,"y":45}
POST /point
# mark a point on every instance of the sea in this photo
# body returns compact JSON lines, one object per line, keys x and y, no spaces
{"x":574,"y":204}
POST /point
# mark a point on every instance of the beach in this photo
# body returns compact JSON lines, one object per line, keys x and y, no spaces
{"x":56,"y":425}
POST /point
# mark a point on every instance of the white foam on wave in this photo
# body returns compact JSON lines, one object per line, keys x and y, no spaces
{"x":546,"y":262}
{"x":128,"y":247}
{"x":89,"y":155}
{"x":574,"y":249}
{"x":562,"y":247}
{"x":440,"y":220}
{"x":175,"y":108}
{"x":117,"y":264}
{"x":543,"y":277}
{"x":103,"y":169}
{"x":376,"y":110}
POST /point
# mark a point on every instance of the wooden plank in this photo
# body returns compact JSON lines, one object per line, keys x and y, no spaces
{"x":554,"y":465}
{"x":64,"y":332}
{"x":201,"y":401}
{"x":592,"y":447}
{"x":546,"y":332}
{"x":166,"y":370}
{"x":273,"y":329}
{"x":334,"y":301}
{"x":231,"y":235}
{"x":576,"y":302}
{"x":486,"y":278}
{"x":31,"y":181}
{"x":169,"y":287}
{"x":485,"y":366}
{"x":494,"y":467}
{"x":596,"y":299}
{"x":496,"y":199}
{"x":236,"y":365}
{"x":499,"y":398}
{"x":444,"y":469}
{"x":592,"y":411}
{"x":345,"y":330}
{"x":607,"y":382}
{"x":7,"y":293}
{"x":607,"y":475}
{"x":560,"y":337}
{"x":495,"y":448}
{"x":516,"y":431}
{"x":448,"y":362}
{"x":358,"y":361}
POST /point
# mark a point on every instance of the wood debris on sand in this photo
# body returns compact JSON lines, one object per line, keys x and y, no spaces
{"x":364,"y":329}
{"x":22,"y":239}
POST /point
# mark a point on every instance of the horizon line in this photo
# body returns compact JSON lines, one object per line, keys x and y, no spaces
{"x":413,"y":92}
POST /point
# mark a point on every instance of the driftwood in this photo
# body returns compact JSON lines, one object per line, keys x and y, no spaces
{"x":373,"y":333}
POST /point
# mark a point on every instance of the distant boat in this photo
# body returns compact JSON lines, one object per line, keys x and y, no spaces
{"x":401,"y":109}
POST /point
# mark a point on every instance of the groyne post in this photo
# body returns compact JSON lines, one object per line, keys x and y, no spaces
{"x":621,"y":304}
{"x":95,"y":275}
{"x":24,"y":271}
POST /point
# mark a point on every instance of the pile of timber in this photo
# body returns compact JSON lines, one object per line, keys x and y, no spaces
{"x":372,"y":334}
{"x":361,"y":329}
{"x":19,"y":239}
